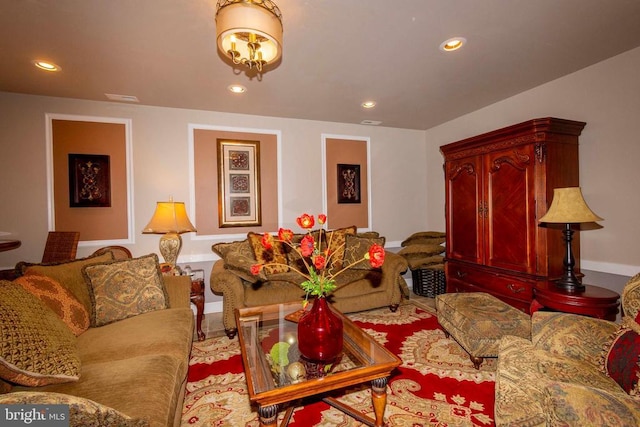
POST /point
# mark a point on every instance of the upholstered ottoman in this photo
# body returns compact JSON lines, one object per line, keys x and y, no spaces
{"x":478,"y":320}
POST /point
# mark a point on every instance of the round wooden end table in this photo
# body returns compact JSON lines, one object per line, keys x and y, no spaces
{"x":594,"y":301}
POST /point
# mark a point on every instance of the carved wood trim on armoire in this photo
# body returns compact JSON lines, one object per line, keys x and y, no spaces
{"x":497,"y":186}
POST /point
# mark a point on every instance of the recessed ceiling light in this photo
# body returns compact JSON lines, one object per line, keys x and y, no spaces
{"x":46,"y":65}
{"x":371,"y":122}
{"x":368,"y":104}
{"x":452,"y":44}
{"x":237,"y":88}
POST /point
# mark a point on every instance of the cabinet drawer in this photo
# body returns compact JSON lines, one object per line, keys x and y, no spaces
{"x":509,"y":286}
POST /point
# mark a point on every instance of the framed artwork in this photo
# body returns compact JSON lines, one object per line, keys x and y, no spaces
{"x":348,"y":183}
{"x":238,"y":183}
{"x":89,"y":181}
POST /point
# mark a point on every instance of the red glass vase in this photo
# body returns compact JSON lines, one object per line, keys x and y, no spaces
{"x":320,"y":333}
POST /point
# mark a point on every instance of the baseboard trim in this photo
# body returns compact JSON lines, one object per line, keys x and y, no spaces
{"x":611,"y":268}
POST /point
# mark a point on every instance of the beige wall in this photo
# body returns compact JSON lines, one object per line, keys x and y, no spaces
{"x":160,"y":151}
{"x":606,"y":96}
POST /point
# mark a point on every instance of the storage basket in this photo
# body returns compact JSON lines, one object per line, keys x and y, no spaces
{"x":428,"y":282}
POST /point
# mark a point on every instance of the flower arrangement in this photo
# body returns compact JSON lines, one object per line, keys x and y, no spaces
{"x":319,"y":279}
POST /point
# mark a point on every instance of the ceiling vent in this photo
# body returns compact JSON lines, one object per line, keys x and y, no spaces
{"x":371,"y":122}
{"x":122,"y":98}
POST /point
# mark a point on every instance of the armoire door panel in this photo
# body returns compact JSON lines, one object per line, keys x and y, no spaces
{"x":510,"y":223}
{"x":463,"y":193}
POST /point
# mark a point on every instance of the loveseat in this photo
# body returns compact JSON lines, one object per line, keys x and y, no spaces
{"x":110,"y":338}
{"x":575,"y":371}
{"x":360,"y":288}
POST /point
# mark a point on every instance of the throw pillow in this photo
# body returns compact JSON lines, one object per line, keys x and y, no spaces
{"x":36,"y":347}
{"x":68,"y":274}
{"x":622,"y":358}
{"x":420,"y":251}
{"x":125,"y":288}
{"x":336,"y":239}
{"x":355,"y":250}
{"x":58,"y":299}
{"x":82,"y":412}
{"x":419,"y":262}
{"x":238,"y":257}
{"x":423,"y":241}
{"x":427,"y":234}
{"x":275,"y":254}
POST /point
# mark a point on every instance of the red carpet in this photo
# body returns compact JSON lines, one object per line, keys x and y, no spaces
{"x":436,"y":385}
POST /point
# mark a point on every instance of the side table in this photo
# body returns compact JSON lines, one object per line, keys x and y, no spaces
{"x":594,"y":301}
{"x":197,"y":298}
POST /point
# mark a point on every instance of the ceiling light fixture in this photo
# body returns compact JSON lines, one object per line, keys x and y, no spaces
{"x":249,"y":32}
{"x":452,"y":44}
{"x":237,"y":89}
{"x":46,"y":65}
{"x":368,"y":104}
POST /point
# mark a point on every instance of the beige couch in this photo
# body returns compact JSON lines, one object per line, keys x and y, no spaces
{"x":359,"y":288}
{"x":132,"y":371}
{"x":573,"y":370}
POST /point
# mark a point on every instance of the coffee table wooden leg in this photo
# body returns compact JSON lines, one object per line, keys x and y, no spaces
{"x":379,"y":398}
{"x":268,"y":415}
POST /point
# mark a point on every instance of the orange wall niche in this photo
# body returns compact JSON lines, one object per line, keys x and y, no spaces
{"x":350,"y":152}
{"x":206,"y":180}
{"x":96,"y":138}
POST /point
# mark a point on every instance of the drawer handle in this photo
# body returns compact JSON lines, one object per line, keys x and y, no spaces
{"x":460,"y":274}
{"x":514,"y":289}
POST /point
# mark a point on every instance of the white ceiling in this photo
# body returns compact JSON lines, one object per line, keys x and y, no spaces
{"x":337,"y":53}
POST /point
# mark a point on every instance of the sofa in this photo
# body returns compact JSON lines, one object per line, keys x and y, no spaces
{"x":575,"y":371}
{"x":109,"y":338}
{"x":360,"y":288}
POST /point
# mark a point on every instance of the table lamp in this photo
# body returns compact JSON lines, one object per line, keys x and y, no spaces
{"x":171,"y":220}
{"x":569,"y":208}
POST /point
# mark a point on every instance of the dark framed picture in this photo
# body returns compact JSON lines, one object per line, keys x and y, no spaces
{"x":348,"y":183}
{"x":89,"y":181}
{"x":238,"y":183}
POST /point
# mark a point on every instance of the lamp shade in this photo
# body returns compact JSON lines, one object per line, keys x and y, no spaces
{"x":568,"y":207}
{"x":169,"y":217}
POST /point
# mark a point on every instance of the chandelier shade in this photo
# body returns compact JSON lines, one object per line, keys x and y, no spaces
{"x":249,"y":32}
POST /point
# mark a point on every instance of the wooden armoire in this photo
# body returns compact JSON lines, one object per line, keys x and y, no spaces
{"x":497,"y":186}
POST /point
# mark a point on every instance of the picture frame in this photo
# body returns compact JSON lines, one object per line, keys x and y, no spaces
{"x":239,"y":203}
{"x":349,"y":183}
{"x":89,"y":181}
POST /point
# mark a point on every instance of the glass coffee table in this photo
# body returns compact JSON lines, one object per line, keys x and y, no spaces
{"x":277,"y":375}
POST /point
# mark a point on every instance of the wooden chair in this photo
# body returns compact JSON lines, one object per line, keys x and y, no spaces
{"x":61,"y":246}
{"x":119,"y":252}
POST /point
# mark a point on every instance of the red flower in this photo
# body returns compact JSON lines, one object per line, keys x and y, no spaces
{"x":319,"y":261}
{"x":376,"y":256}
{"x":322,"y":218}
{"x":267,"y":241}
{"x":285,"y":235}
{"x":255,"y":269}
{"x":305,"y":221}
{"x":307,"y":245}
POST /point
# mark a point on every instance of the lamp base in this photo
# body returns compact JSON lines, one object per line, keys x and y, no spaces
{"x":569,"y":282}
{"x":569,"y":285}
{"x":170,"y":245}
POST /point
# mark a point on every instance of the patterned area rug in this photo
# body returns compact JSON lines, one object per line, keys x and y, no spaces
{"x":436,"y":385}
